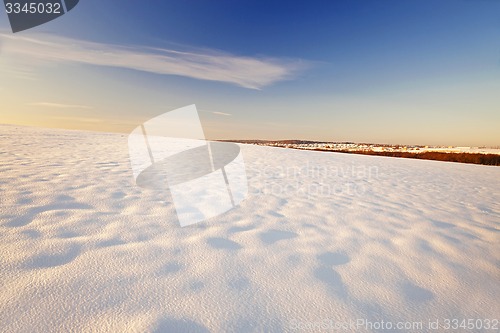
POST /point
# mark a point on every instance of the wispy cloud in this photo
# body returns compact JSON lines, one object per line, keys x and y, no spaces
{"x":19,"y":72}
{"x":221,"y":113}
{"x":248,"y":72}
{"x":59,"y":105}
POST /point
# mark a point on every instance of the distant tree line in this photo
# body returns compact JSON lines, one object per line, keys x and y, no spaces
{"x":474,"y":158}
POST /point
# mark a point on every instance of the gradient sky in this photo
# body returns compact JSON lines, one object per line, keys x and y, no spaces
{"x":410,"y":72}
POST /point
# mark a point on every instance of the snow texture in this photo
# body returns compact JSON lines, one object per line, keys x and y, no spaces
{"x":320,"y":236}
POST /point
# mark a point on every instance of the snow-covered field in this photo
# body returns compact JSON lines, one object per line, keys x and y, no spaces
{"x":322,"y":238}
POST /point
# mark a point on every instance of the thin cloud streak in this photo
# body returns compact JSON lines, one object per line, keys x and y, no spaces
{"x":221,"y":113}
{"x":215,"y":112}
{"x":248,"y":72}
{"x":59,"y":105}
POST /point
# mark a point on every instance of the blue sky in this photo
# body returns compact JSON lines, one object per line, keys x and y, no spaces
{"x":412,"y":72}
